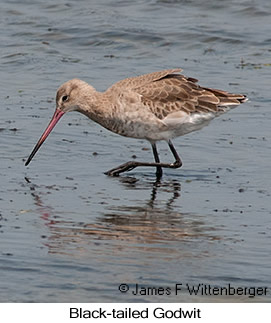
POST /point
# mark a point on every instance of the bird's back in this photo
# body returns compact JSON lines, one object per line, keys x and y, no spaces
{"x":171,"y":102}
{"x":167,"y":91}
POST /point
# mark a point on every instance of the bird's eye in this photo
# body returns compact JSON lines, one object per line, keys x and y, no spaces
{"x":65,"y":98}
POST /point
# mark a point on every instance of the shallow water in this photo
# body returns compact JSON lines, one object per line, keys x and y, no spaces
{"x":68,"y":233}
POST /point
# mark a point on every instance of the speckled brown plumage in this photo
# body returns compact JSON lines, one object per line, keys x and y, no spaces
{"x":166,"y":91}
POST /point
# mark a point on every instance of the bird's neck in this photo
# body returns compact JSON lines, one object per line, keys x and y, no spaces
{"x":95,"y":106}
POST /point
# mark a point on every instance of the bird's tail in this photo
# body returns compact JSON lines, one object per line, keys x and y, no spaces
{"x":228,"y":99}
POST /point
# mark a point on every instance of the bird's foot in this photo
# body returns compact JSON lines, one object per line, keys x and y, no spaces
{"x":122,"y":168}
{"x":133,"y":164}
{"x":177,"y":164}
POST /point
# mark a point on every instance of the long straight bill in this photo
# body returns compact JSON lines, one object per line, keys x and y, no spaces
{"x":57,"y":115}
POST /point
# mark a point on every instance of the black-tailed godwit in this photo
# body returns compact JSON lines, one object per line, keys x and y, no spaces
{"x":156,"y":106}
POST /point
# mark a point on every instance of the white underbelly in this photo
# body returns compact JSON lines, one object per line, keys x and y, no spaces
{"x":176,"y":127}
{"x":154,"y":129}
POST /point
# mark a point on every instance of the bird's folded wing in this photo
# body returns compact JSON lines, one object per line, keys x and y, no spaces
{"x":175,"y":92}
{"x":142,"y":80}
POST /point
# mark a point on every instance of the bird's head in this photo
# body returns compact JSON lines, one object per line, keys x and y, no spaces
{"x":70,"y":94}
{"x":68,"y":98}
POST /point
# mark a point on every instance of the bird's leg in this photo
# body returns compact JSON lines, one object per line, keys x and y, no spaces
{"x":133,"y":164}
{"x":159,"y":171}
{"x":178,"y":162}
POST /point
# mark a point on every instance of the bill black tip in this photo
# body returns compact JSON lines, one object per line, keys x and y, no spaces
{"x":27,"y":162}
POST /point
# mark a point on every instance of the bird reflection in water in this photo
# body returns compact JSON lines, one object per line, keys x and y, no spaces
{"x":154,"y":225}
{"x":44,"y":210}
{"x":173,"y":187}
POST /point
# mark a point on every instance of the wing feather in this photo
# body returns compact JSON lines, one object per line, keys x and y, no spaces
{"x":167,"y":92}
{"x":142,"y":80}
{"x":175,"y":92}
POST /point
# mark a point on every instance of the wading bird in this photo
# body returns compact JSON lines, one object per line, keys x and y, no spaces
{"x":156,"y":106}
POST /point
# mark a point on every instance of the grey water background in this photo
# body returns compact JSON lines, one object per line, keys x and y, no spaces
{"x":68,"y":233}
